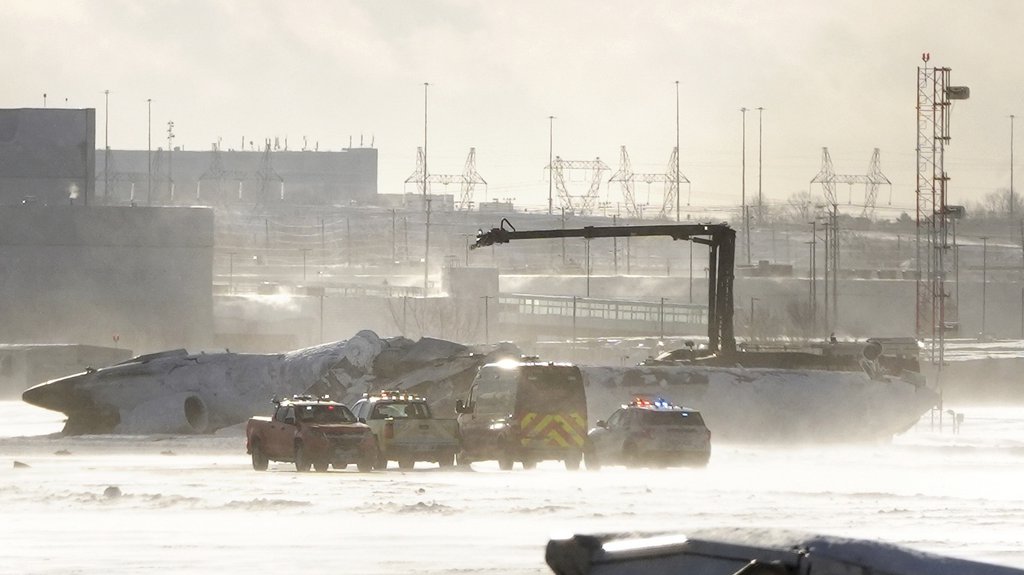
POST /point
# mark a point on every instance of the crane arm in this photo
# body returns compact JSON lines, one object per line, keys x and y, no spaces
{"x":720,"y":238}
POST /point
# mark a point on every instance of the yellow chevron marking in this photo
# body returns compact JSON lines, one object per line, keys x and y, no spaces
{"x":554,"y":429}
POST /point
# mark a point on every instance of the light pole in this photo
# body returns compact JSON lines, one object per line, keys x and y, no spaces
{"x":551,"y":148}
{"x":810,"y":284}
{"x":563,"y":240}
{"x":690,"y":291}
{"x":487,"y":318}
{"x":752,"y":300}
{"x":426,"y":196}
{"x":615,"y":246}
{"x":149,"y":151}
{"x":231,"y":272}
{"x":661,"y":318}
{"x":587,"y":246}
{"x":760,"y":202}
{"x":814,"y":272}
{"x":743,"y":187}
{"x":678,"y":191}
{"x":825,"y":268}
{"x":1011,"y":171}
{"x":984,"y":281}
{"x":170,"y":159}
{"x":304,"y":252}
{"x":394,"y":239}
{"x":106,"y":144}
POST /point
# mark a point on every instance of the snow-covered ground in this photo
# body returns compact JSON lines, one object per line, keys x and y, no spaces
{"x":193,"y":504}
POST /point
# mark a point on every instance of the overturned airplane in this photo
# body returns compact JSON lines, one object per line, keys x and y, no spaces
{"x":179,"y":392}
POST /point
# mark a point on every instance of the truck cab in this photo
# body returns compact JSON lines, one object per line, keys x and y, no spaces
{"x":311,"y":432}
{"x":406,"y":430}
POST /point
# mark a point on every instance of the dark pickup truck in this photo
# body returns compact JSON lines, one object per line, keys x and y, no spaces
{"x":311,"y":432}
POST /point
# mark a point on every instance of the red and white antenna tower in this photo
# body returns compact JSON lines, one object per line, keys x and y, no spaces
{"x":934,"y":101}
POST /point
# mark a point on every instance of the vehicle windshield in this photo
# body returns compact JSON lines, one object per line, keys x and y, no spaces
{"x":329,"y":413}
{"x":551,"y":389}
{"x":672,"y":418}
{"x":400,"y":410}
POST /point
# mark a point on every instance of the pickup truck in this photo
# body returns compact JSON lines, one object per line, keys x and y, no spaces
{"x":311,"y":432}
{"x":406,"y":431}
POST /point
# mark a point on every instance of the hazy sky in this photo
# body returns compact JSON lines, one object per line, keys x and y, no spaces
{"x":840,"y":74}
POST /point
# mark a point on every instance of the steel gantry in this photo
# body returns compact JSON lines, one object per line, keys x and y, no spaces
{"x":721,"y":242}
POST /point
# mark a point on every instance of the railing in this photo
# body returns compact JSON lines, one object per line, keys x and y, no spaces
{"x":657,"y":312}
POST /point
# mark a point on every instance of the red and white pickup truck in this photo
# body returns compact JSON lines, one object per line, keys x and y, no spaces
{"x":311,"y":432}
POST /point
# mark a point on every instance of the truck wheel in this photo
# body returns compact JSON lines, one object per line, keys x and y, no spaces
{"x":259,"y":459}
{"x":591,"y":460}
{"x":321,"y":466}
{"x":366,"y":464}
{"x":529,"y":464}
{"x":505,"y":460}
{"x":446,"y":460}
{"x":631,"y":457}
{"x":463,"y":459}
{"x":406,"y":463}
{"x":381,"y":461}
{"x":572,"y":460}
{"x":302,"y":462}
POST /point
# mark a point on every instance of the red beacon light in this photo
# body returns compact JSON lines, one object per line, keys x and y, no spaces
{"x":657,"y":402}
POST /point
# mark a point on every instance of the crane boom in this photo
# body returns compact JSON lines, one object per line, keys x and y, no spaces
{"x":720,"y":239}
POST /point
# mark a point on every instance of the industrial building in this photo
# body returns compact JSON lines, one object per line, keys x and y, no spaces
{"x":47,"y":155}
{"x":237,"y":178}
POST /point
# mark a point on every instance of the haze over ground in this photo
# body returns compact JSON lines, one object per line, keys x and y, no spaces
{"x":839,"y":74}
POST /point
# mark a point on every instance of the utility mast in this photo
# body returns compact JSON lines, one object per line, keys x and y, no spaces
{"x":934,"y":100}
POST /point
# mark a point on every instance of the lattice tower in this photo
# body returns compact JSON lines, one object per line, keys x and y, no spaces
{"x":932,"y":238}
{"x":624,"y":175}
{"x":585,"y":203}
{"x":628,"y":178}
{"x":828,"y":178}
{"x":266,"y":174}
{"x":216,"y":173}
{"x":467,"y":180}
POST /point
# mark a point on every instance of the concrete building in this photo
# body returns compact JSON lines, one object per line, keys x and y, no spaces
{"x":47,"y":155}
{"x":22,"y":366}
{"x":240,"y":178}
{"x":132,"y":277}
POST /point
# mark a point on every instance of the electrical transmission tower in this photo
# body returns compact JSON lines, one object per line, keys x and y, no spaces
{"x":467,"y":180}
{"x":115,"y":177}
{"x":627,"y":177}
{"x":266,"y":174}
{"x":934,"y":101}
{"x":828,"y":178}
{"x":216,"y":173}
{"x":585,"y":203}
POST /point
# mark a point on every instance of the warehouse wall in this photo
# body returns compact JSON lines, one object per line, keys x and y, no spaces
{"x":136,"y":277}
